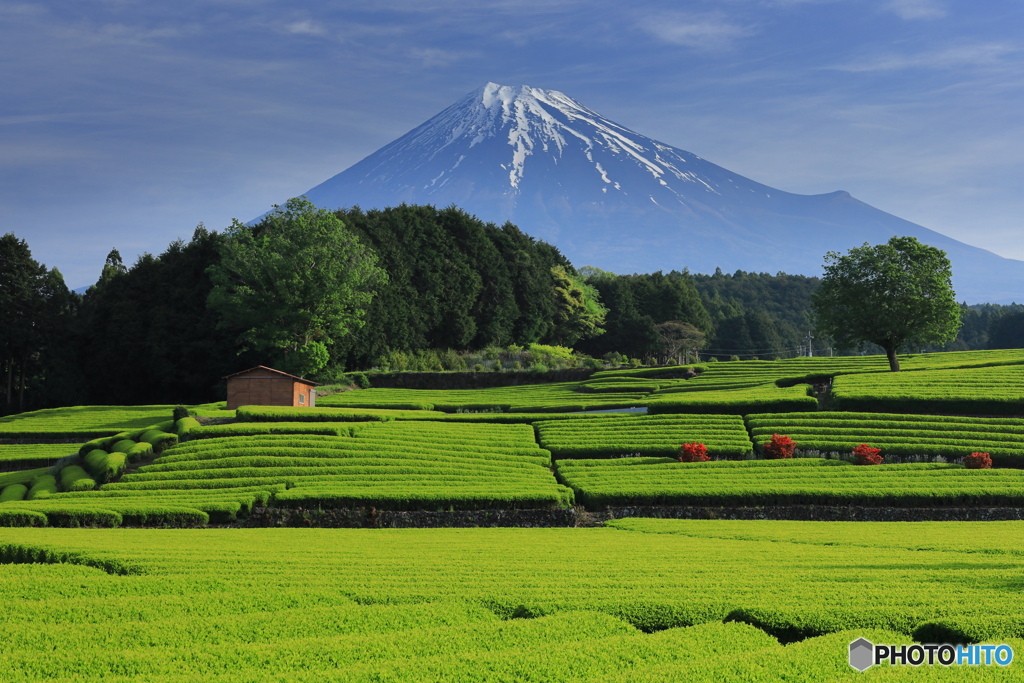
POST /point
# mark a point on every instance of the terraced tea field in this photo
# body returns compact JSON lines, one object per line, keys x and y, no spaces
{"x":725,"y":436}
{"x":946,"y":436}
{"x":997,"y":390}
{"x":80,"y":422}
{"x":735,"y":400}
{"x":741,"y":387}
{"x":20,"y":456}
{"x":628,"y":482}
{"x":635,"y":600}
{"x":405,"y":459}
{"x":394,"y":465}
{"x":558,"y":397}
{"x":640,"y":600}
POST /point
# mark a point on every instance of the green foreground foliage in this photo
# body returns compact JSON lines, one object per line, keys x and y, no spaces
{"x":643,"y":600}
{"x":636,"y":600}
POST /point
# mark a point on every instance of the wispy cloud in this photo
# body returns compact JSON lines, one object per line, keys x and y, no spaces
{"x":432,"y":57}
{"x":917,"y":9}
{"x":984,"y":54}
{"x":122,"y":33}
{"x":306,"y":27}
{"x":702,"y":32}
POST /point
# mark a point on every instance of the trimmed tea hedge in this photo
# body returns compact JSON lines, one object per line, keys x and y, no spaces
{"x":33,"y":454}
{"x":724,"y":435}
{"x":803,"y":481}
{"x":951,"y":437}
{"x":644,"y":600}
{"x":75,"y":478}
{"x":10,"y":516}
{"x":996,"y":390}
{"x":42,"y":486}
{"x":13,"y":492}
{"x":735,"y":402}
{"x":81,"y":422}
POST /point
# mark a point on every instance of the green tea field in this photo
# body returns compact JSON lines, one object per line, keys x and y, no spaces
{"x":640,"y":600}
{"x":135,"y":546}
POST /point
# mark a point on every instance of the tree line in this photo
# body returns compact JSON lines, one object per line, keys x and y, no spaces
{"x":305,"y":290}
{"x":321,"y":293}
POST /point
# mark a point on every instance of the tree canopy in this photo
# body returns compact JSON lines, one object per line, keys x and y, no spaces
{"x":294,"y":283}
{"x":891,"y":294}
{"x":578,"y":311}
{"x":455,"y":284}
{"x":678,"y":340}
{"x":638,"y":302}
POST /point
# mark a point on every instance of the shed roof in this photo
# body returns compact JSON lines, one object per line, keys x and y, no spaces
{"x":283,"y":374}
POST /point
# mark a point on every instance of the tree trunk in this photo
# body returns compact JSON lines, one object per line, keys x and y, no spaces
{"x":10,"y":384}
{"x":21,"y":390}
{"x":894,"y":362}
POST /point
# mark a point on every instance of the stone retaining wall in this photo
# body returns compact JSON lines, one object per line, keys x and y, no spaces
{"x":371,"y":518}
{"x":822,"y":513}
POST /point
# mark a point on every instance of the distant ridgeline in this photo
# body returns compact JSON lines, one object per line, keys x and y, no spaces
{"x":144,"y":333}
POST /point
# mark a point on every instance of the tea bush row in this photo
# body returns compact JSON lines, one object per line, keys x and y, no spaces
{"x":648,"y":600}
{"x":80,"y":422}
{"x":255,"y":428}
{"x":661,"y":481}
{"x":320,"y":414}
{"x":735,"y":402}
{"x":555,"y":397}
{"x":117,"y":513}
{"x":426,"y":495}
{"x":997,"y":390}
{"x":896,"y":434}
{"x":424,"y":465}
{"x":725,"y":436}
{"x":33,"y":454}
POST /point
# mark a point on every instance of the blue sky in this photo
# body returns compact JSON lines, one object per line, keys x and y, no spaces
{"x":126,"y":123}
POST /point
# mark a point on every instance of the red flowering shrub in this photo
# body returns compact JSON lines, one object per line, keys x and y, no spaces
{"x":693,"y":452}
{"x":978,"y":461}
{"x":866,"y":455}
{"x":779,"y":447}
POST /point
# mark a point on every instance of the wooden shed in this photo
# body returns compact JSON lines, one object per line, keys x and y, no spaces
{"x":263,"y":386}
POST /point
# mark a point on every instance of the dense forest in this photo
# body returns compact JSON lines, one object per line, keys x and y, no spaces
{"x":167,"y":328}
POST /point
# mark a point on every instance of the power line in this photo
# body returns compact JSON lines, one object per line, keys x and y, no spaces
{"x":776,"y":349}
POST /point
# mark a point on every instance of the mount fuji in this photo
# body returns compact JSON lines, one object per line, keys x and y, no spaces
{"x":609,"y":197}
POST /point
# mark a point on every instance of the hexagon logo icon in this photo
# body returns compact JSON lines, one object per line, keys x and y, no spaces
{"x":862,"y":654}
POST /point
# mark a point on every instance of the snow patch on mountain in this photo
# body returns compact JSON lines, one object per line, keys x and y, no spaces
{"x":610,"y":197}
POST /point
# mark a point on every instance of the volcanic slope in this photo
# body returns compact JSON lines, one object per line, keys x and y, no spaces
{"x":613,"y":198}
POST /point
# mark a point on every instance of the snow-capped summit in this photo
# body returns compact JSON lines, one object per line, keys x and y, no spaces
{"x":610,"y":197}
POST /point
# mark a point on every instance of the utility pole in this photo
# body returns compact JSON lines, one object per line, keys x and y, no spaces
{"x":810,"y":349}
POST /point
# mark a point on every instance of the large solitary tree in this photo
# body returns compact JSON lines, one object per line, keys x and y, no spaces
{"x":293,"y":284}
{"x":891,"y":294}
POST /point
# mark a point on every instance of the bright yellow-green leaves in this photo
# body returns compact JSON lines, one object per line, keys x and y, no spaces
{"x":312,"y":605}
